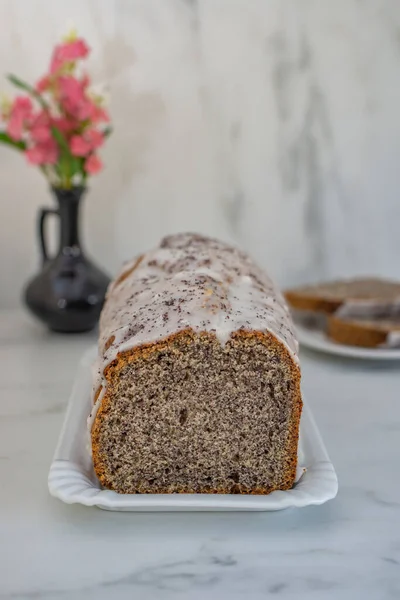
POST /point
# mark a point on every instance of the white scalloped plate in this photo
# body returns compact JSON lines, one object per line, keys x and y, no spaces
{"x":72,"y":479}
{"x":316,"y":339}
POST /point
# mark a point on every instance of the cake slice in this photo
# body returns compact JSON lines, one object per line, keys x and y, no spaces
{"x":328,"y":297}
{"x":371,"y":328}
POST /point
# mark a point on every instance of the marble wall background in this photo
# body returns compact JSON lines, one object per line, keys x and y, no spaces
{"x":271,"y":123}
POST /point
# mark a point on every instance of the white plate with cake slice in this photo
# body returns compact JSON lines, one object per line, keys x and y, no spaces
{"x":316,"y":339}
{"x":72,"y":478}
{"x":357,"y":318}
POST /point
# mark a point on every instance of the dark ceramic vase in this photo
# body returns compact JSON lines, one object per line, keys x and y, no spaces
{"x":68,"y":294}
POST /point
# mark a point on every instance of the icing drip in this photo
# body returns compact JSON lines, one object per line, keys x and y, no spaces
{"x":369,"y":309}
{"x":188,"y":282}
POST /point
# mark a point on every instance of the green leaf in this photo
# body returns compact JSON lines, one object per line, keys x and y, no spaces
{"x":107,"y":131}
{"x":5,"y":139}
{"x":74,"y":161}
{"x":60,"y":139}
{"x":29,"y":89}
{"x":69,"y":165}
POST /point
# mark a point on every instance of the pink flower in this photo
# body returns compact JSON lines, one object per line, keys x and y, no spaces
{"x":65,"y":125}
{"x":43,"y":84}
{"x":82,"y":145}
{"x":98,"y":114}
{"x":40,"y":127}
{"x":68,"y":52}
{"x":69,"y":107}
{"x":93,"y":164}
{"x":96,"y":138}
{"x":73,"y":99}
{"x":79,"y":146}
{"x":20,"y":113}
{"x":43,"y":153}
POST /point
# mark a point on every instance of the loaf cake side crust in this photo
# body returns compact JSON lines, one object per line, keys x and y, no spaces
{"x":124,"y":274}
{"x":148,"y":352}
{"x":309,"y":302}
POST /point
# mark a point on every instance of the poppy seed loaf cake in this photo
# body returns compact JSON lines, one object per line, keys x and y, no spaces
{"x":197,"y":383}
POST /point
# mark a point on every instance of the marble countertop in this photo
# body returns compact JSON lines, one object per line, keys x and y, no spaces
{"x":348,"y":548}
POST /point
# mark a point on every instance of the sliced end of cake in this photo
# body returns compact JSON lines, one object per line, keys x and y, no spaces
{"x":189,"y":415}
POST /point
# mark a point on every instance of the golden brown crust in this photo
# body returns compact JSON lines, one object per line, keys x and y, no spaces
{"x":109,"y":342}
{"x":126,"y":274}
{"x":355,"y":333}
{"x":112,"y":372}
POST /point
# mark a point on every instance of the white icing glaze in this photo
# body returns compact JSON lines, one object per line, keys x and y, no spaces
{"x":393,"y":339}
{"x":364,"y":309}
{"x":188,"y":282}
